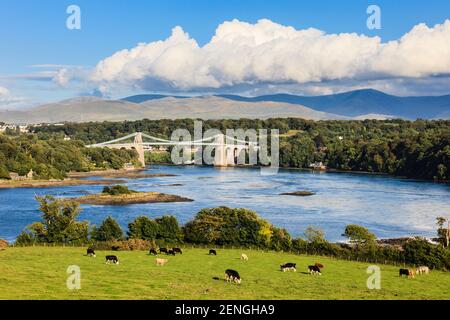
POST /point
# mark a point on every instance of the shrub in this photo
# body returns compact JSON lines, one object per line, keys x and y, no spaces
{"x":117,"y":190}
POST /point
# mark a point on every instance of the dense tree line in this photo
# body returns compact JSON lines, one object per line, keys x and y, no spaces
{"x":54,"y":158}
{"x":416,"y":149}
{"x":227,"y":227}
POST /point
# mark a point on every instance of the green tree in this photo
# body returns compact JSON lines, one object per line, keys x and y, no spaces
{"x":281,"y":240}
{"x":143,"y":228}
{"x":314,"y":235}
{"x":169,"y":229}
{"x":58,"y":223}
{"x":359,"y":235}
{"x":109,"y":230}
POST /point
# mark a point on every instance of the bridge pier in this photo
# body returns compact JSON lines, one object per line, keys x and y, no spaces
{"x":139,"y":148}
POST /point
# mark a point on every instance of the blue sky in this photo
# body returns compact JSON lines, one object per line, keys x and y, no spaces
{"x":34,"y":32}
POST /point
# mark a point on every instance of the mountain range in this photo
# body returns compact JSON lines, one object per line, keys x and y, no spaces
{"x":359,"y":104}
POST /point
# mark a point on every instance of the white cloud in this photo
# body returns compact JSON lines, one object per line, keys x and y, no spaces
{"x":9,"y":101}
{"x":266,"y":53}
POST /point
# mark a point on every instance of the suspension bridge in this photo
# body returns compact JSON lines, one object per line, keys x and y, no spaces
{"x":227,"y":149}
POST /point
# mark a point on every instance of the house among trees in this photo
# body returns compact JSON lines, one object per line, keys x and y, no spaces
{"x":16,"y":177}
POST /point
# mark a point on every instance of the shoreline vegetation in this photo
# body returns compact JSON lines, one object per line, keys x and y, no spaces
{"x":121,"y":173}
{"x":7,"y":184}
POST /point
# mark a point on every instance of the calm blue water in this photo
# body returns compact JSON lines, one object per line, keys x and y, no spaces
{"x":390,"y":207}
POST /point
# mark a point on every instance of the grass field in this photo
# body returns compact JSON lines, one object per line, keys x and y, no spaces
{"x":40,"y":273}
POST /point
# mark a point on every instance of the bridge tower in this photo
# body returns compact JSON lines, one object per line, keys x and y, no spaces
{"x":139,"y":148}
{"x":220,"y":157}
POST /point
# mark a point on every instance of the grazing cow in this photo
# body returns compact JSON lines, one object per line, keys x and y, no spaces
{"x":153,"y":252}
{"x":112,"y":259}
{"x":423,"y":270}
{"x":90,"y":252}
{"x":288,"y":267}
{"x":313,"y":270}
{"x":244,"y":257}
{"x":232,"y":276}
{"x":115,"y":248}
{"x":212,"y":251}
{"x":170,"y":252}
{"x":406,"y":272}
{"x":177,"y":250}
{"x":161,"y":262}
{"x":163,"y":250}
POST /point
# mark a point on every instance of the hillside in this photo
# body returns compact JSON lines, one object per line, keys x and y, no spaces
{"x":85,"y":110}
{"x":362,"y":102}
{"x":40,"y":273}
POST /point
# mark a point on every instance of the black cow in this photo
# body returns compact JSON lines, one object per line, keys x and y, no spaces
{"x":212,"y":251}
{"x":170,"y":252}
{"x":314,"y":270}
{"x":232,"y":276}
{"x":153,"y":252}
{"x":112,"y":259}
{"x":177,"y":250}
{"x":163,"y":250}
{"x":288,"y":267}
{"x":115,"y":248}
{"x":406,"y":272}
{"x":90,"y":252}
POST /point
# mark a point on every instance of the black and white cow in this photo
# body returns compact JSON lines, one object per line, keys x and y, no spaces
{"x":313,"y":270}
{"x":112,"y":259}
{"x":212,"y":251}
{"x":170,"y":252}
{"x":177,"y":250}
{"x":90,"y":252}
{"x":163,"y":250}
{"x":232,"y":276}
{"x":153,"y":252}
{"x":288,"y":267}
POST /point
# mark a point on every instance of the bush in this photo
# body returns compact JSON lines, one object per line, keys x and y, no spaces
{"x":125,"y":245}
{"x":420,"y":252}
{"x":117,"y":190}
{"x":3,"y":244}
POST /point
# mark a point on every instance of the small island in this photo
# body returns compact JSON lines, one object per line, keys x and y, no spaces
{"x":119,"y":195}
{"x":302,"y":193}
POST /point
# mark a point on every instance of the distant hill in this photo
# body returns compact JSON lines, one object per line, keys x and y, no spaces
{"x":359,"y":105}
{"x":361,"y":102}
{"x":147,"y":97}
{"x":87,"y":109}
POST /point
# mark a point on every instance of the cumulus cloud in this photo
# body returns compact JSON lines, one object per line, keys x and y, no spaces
{"x":267,"y":53}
